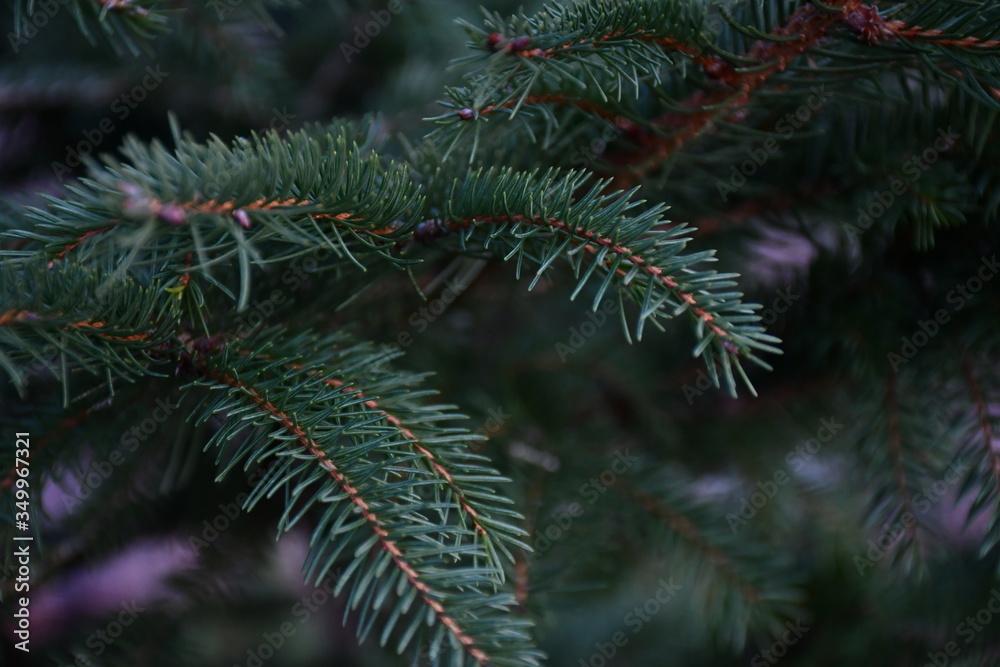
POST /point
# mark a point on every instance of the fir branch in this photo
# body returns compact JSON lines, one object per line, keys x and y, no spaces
{"x":983,"y":417}
{"x":746,"y":587}
{"x":428,"y":595}
{"x":564,"y":39}
{"x":311,"y":417}
{"x":900,"y":443}
{"x":687,"y":531}
{"x":981,"y":452}
{"x":940,"y":38}
{"x":585,"y":239}
{"x":467,"y":504}
{"x":318,"y":188}
{"x":730,"y":86}
{"x":541,"y":219}
{"x":808,"y":26}
{"x":98,"y":322}
{"x":556,"y":54}
{"x":897,"y":459}
{"x":122,"y":22}
{"x":75,"y":243}
{"x":871,"y":25}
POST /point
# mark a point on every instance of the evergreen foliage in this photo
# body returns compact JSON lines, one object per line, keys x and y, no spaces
{"x":273,"y":306}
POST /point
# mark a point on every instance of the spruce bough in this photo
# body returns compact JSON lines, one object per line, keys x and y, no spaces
{"x":236,"y":288}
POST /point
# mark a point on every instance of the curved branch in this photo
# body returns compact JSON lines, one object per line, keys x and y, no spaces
{"x":426,"y":592}
{"x":683,"y":526}
{"x":431,"y":229}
